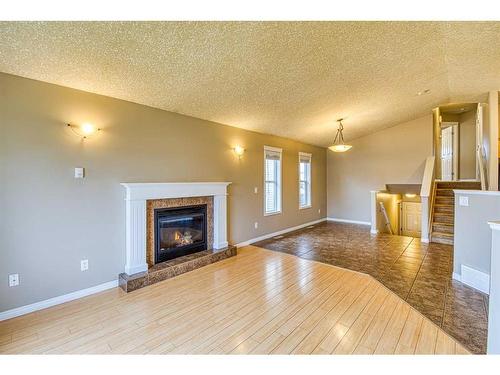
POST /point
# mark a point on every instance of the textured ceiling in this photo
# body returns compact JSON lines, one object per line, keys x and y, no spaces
{"x":292,"y":79}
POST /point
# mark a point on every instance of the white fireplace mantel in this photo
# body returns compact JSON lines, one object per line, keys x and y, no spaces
{"x":138,"y":193}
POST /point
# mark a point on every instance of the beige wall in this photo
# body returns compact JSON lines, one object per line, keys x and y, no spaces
{"x":394,"y":155}
{"x":467,"y":151}
{"x":50,"y":221}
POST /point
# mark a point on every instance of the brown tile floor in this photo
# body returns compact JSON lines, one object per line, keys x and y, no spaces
{"x":419,"y":273}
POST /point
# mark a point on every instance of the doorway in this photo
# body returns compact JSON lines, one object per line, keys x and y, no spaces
{"x":411,"y":218}
{"x":457,"y":131}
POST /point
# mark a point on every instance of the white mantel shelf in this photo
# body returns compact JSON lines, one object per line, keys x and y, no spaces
{"x":138,"y":193}
{"x":163,"y":190}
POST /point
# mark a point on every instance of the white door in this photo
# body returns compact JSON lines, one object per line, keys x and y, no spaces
{"x":447,"y":154}
{"x":411,"y":220}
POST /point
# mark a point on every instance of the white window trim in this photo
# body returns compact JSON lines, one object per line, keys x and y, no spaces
{"x":280,"y":182}
{"x":305,"y":154}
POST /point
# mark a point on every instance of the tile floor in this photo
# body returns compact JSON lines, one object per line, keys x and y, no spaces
{"x":419,"y":273}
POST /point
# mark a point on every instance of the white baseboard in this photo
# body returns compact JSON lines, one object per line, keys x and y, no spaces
{"x":476,"y":279}
{"x":424,"y":240}
{"x":349,"y":221}
{"x":473,"y":278}
{"x":374,"y":231}
{"x":18,"y":311}
{"x":274,"y":234}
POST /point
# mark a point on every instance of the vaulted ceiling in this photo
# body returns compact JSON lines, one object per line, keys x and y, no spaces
{"x":292,"y":79}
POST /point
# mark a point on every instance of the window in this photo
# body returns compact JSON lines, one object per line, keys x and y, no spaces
{"x":304,"y":180}
{"x":272,"y":180}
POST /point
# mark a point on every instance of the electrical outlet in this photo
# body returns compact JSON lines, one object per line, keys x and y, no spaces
{"x":84,"y":265}
{"x":14,"y":279}
{"x":256,"y":190}
{"x":256,"y":225}
{"x":319,"y":210}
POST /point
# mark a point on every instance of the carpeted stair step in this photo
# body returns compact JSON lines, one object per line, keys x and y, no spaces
{"x":443,"y":228}
{"x":443,"y":218}
{"x":444,"y":238}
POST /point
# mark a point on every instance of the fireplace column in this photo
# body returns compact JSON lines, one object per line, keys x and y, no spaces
{"x":136,"y":236}
{"x":220,"y":221}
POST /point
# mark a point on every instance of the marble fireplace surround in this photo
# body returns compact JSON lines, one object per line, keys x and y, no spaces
{"x":153,"y":204}
{"x":136,"y":216}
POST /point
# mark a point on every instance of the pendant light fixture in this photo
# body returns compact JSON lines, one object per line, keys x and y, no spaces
{"x":338,"y":143}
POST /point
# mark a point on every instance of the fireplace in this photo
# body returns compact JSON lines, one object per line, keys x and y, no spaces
{"x":179,"y":231}
{"x":143,"y":199}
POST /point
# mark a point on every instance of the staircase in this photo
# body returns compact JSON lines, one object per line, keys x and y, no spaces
{"x":443,"y":213}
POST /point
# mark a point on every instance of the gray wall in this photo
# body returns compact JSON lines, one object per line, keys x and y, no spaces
{"x":50,"y":221}
{"x":392,"y":156}
{"x":472,"y":232}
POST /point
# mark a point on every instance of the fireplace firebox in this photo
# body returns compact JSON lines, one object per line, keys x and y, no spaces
{"x":180,"y":231}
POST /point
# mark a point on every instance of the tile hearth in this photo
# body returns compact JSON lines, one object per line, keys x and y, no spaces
{"x":166,"y":270}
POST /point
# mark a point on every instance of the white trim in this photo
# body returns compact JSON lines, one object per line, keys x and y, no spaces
{"x":165,"y":190}
{"x":424,"y":240}
{"x":476,"y":192}
{"x":374,"y":231}
{"x":275,"y":149}
{"x":18,"y":311}
{"x":474,"y":278}
{"x":348,"y":221}
{"x":283,"y":231}
{"x":494,"y":225}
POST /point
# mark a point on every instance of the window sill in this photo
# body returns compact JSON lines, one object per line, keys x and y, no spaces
{"x":305,"y":207}
{"x":272,"y":213}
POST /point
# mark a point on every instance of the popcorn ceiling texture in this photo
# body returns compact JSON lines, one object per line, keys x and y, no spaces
{"x":291,"y":79}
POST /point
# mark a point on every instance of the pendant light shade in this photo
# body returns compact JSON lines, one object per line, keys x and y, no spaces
{"x":339,"y":144}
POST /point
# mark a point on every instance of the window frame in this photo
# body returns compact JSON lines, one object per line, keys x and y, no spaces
{"x":307,"y":181}
{"x":279,"y":182}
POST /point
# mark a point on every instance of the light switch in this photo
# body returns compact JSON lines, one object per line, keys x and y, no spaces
{"x":463,"y":201}
{"x":79,"y":172}
{"x":256,"y":190}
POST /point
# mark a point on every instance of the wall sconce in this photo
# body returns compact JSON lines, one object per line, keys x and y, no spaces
{"x":239,"y":151}
{"x":85,"y":130}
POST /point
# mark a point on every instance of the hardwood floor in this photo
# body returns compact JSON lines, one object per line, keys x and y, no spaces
{"x":419,"y":273}
{"x":258,"y":302}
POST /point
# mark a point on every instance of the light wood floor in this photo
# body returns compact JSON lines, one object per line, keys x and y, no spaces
{"x":257,"y":302}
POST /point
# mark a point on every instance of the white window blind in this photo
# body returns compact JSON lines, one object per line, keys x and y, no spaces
{"x":304,"y":180}
{"x":272,"y":180}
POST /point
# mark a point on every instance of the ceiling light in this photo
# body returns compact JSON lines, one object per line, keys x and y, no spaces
{"x":338,"y":143}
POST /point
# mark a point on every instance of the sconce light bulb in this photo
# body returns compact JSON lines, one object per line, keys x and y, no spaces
{"x":239,"y":150}
{"x":87,"y":128}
